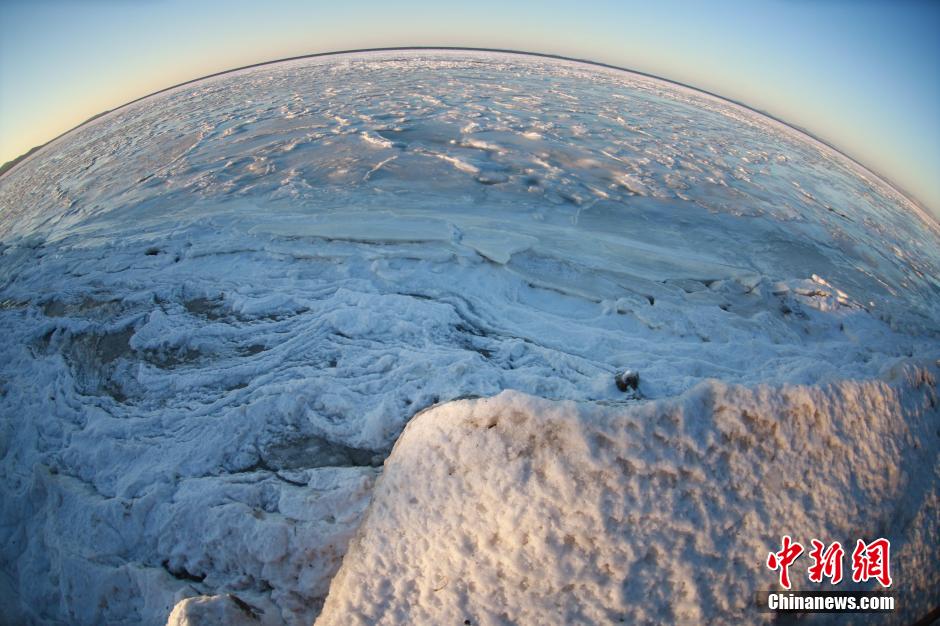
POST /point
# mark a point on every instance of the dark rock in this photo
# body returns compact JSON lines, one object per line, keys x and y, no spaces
{"x":628,"y":380}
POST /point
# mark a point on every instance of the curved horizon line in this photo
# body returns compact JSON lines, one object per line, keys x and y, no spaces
{"x":11,"y":165}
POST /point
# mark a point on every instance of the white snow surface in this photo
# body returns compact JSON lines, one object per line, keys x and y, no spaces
{"x":520,"y":510}
{"x":219,"y":307}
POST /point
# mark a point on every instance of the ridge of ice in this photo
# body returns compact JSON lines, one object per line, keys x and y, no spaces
{"x":518,"y":510}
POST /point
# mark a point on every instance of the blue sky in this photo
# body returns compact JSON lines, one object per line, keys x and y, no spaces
{"x":862,"y":75}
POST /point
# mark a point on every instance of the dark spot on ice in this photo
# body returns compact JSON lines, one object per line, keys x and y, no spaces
{"x":206,"y":307}
{"x":113,"y":390}
{"x":786,"y":310}
{"x":171,"y":358}
{"x":41,"y":344}
{"x":419,"y":296}
{"x":253,"y":349}
{"x":628,"y":380}
{"x":111,"y":346}
{"x":651,"y":299}
{"x":470,"y":329}
{"x":483,"y":352}
{"x":181,"y":573}
{"x":248,"y":609}
{"x":152,"y":251}
{"x":313,"y":451}
{"x":53,"y":308}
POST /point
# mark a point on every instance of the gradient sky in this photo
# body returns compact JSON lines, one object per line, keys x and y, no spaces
{"x":863,"y":75}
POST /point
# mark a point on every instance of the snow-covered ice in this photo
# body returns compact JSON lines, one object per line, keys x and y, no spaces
{"x":520,"y":510}
{"x":221,"y":305}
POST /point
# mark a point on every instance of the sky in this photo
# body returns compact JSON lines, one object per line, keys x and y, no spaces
{"x":863,"y":75}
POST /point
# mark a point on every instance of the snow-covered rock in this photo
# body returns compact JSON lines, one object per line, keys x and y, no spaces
{"x":519,"y":510}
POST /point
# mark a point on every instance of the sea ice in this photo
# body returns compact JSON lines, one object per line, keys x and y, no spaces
{"x":221,"y":305}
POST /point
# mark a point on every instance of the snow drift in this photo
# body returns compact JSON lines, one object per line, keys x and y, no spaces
{"x":519,"y":510}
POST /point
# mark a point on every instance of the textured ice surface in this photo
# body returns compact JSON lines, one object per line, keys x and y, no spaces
{"x":519,"y":510}
{"x":220,"y":305}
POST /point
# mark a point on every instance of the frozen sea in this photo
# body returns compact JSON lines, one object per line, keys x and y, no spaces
{"x":221,"y":305}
